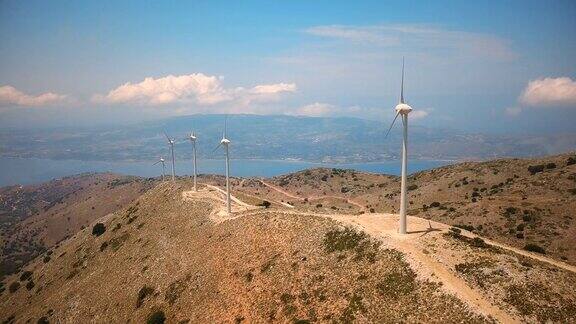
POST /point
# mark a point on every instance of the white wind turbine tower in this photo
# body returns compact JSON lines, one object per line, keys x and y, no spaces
{"x":163,"y":167}
{"x":402,"y":109}
{"x":171,"y":144}
{"x":193,"y":140}
{"x":226,"y":143}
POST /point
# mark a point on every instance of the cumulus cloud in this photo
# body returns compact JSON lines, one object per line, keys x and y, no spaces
{"x":545,"y":93}
{"x":550,"y":92}
{"x":316,"y":109}
{"x":10,"y":96}
{"x":196,"y":88}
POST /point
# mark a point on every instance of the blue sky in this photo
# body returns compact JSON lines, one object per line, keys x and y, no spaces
{"x":501,"y":66}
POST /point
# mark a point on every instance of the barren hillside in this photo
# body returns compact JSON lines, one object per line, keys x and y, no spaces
{"x":325,"y":249}
{"x":174,"y":254}
{"x":33,"y":218}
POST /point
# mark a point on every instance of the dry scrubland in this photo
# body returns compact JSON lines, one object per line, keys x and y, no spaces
{"x":513,"y":201}
{"x":163,"y":253}
{"x":34,"y":218}
{"x":320,"y":253}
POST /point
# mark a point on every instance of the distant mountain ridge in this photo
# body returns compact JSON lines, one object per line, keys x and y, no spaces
{"x":341,"y":139}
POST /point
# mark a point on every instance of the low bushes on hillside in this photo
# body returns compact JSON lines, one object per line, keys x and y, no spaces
{"x":14,"y":286}
{"x":143,"y":293}
{"x":98,"y":229}
{"x":156,"y":317}
{"x":533,"y":169}
{"x":532,"y":247}
{"x":466,"y":227}
{"x":265,"y":204}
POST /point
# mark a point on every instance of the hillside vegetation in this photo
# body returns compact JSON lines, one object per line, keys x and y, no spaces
{"x":33,"y":218}
{"x":164,"y":256}
{"x":488,"y":242}
{"x":515,"y":201}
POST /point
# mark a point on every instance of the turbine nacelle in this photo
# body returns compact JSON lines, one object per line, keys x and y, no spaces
{"x":225,"y":141}
{"x":192,"y":137}
{"x":403,"y":108}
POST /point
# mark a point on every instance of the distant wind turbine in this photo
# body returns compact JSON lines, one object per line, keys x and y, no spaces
{"x":226,"y":143}
{"x":163,"y":167}
{"x":402,"y":109}
{"x":193,"y":140}
{"x":171,"y":144}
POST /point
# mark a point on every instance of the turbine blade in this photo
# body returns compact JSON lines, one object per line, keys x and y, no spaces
{"x":389,"y":129}
{"x":217,"y":147}
{"x":402,"y":83}
{"x":225,"y":126}
{"x":168,"y":138}
{"x":156,"y":162}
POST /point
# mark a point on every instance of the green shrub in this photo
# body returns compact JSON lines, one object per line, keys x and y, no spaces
{"x":533,"y":169}
{"x":144,"y":292}
{"x":343,"y":240}
{"x":551,"y":165}
{"x":43,"y":320}
{"x":265,"y":204}
{"x":478,"y":242}
{"x":455,"y":230}
{"x":30,"y":285}
{"x":397,"y":284}
{"x":435,"y":204}
{"x":14,"y":286}
{"x":532,"y":247}
{"x":157,"y":317}
{"x":466,"y":227}
{"x":571,"y":161}
{"x":412,"y":187}
{"x":25,"y":275}
{"x":98,"y":229}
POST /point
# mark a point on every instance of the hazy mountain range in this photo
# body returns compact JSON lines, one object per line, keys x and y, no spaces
{"x":341,"y":139}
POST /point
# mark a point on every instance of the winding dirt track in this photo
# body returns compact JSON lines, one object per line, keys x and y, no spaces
{"x":311,"y":198}
{"x":384,"y":228}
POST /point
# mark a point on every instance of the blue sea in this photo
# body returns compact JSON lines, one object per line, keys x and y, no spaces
{"x":29,"y":171}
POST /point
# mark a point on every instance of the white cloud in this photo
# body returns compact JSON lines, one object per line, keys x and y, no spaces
{"x":316,"y":109}
{"x":550,"y":92}
{"x":418,"y":38}
{"x":10,"y":96}
{"x":274,"y":88}
{"x":545,"y":93}
{"x":418,"y":114}
{"x":197,"y":88}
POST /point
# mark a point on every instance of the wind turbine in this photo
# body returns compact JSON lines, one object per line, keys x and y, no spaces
{"x":193,"y":140}
{"x":402,"y":109}
{"x":163,"y":167}
{"x":226,"y":143}
{"x":171,"y":144}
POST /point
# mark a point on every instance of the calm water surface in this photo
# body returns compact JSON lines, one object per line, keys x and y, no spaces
{"x":29,"y":171}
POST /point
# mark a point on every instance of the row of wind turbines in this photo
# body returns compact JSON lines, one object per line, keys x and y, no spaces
{"x":224,"y":142}
{"x":402,"y":110}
